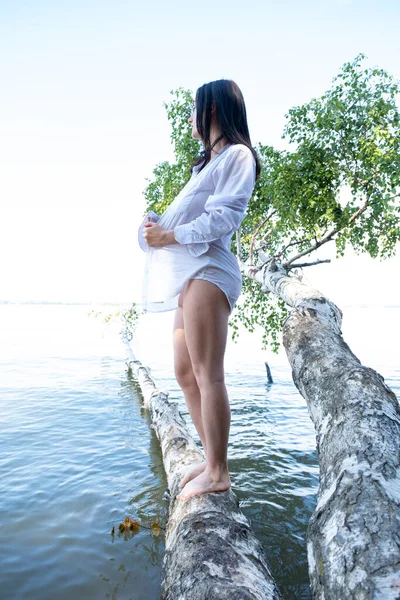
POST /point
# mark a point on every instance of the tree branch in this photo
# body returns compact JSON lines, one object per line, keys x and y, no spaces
{"x":256,"y":232}
{"x":316,"y":262}
{"x":359,"y":211}
{"x":315,"y":246}
{"x":288,"y":246}
{"x":327,"y":238}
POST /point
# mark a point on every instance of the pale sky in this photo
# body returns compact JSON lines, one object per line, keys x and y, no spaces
{"x":82,"y":123}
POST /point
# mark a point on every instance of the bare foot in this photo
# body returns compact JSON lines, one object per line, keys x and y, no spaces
{"x":204,"y":484}
{"x":192,"y":472}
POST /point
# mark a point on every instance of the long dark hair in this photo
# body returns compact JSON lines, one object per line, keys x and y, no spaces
{"x":230,"y":117}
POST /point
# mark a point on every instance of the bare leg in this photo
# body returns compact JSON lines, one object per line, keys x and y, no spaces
{"x":205,"y":314}
{"x":187,"y":382}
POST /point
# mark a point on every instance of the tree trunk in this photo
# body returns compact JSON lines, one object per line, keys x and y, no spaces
{"x":210,"y":550}
{"x":354,"y":533}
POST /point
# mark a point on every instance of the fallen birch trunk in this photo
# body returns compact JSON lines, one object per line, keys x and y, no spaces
{"x":210,"y":550}
{"x":354,"y":533}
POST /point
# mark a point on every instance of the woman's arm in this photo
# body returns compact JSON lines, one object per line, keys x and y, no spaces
{"x":225,"y":208}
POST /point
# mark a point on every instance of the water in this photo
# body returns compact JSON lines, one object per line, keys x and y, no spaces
{"x":78,"y":454}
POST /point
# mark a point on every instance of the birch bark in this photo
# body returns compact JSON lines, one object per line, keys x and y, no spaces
{"x":354,"y":534}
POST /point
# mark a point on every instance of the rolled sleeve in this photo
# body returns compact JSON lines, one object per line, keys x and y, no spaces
{"x":183,"y":234}
{"x":225,"y":209}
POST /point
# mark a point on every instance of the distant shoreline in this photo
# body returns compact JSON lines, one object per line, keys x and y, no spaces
{"x":54,"y":303}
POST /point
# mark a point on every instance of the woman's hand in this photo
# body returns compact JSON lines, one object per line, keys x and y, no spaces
{"x":155,"y":236}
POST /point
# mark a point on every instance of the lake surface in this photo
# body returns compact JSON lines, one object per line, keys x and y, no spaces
{"x":78,"y":454}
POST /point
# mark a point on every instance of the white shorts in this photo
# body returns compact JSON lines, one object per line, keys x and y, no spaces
{"x":231,"y":285}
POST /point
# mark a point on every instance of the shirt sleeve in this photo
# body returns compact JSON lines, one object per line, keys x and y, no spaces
{"x":225,"y":209}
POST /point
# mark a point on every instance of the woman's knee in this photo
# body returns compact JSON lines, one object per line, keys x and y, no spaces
{"x":182,"y":363}
{"x":207,"y":376}
{"x":185,"y":376}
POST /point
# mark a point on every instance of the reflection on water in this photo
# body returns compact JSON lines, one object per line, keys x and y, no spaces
{"x":78,"y":456}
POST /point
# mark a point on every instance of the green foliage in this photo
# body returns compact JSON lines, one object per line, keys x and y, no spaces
{"x":349,"y":137}
{"x":259,"y":310}
{"x":340,"y":182}
{"x":129,"y":317}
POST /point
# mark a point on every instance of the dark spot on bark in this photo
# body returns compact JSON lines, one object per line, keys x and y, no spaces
{"x":273,"y":266}
{"x":179,"y":441}
{"x":239,"y":531}
{"x":320,"y":300}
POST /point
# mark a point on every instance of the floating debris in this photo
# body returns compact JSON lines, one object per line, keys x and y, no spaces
{"x":156,"y":528}
{"x":129,"y":525}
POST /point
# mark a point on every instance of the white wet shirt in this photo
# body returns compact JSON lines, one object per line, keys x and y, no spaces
{"x":204,"y":216}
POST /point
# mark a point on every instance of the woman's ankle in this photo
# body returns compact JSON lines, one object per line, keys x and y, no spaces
{"x":218,"y":470}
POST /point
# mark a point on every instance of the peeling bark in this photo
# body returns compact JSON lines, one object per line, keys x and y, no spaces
{"x":211,"y":552}
{"x":354,"y":534}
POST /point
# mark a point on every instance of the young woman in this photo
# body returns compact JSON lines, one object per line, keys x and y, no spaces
{"x":190,"y":268}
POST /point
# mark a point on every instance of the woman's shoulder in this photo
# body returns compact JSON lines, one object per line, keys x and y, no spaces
{"x":239,"y":154}
{"x":238,"y":149}
{"x":237,"y":158}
